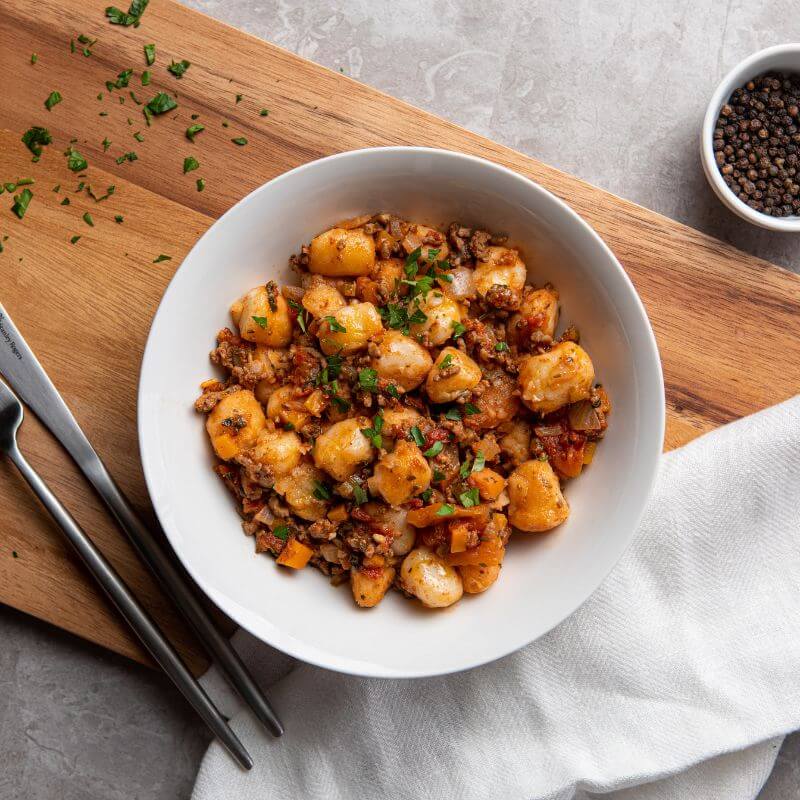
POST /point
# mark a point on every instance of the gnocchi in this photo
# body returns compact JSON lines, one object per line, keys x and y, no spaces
{"x":395,"y":418}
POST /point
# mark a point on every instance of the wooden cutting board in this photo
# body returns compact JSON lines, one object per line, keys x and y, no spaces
{"x":728,"y":324}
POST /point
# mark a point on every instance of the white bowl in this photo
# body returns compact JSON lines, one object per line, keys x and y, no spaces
{"x":781,"y":58}
{"x":545,"y":576}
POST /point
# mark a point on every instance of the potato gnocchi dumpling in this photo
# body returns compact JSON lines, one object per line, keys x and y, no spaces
{"x":397,"y":418}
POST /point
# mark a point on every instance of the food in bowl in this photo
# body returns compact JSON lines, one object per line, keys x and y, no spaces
{"x":394,"y":416}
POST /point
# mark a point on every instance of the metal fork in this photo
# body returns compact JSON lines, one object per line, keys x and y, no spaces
{"x":11,"y":415}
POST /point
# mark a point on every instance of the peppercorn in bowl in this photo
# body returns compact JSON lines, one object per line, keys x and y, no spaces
{"x":405,"y":404}
{"x":750,"y":139}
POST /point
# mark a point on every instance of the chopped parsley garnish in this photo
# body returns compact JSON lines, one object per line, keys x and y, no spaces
{"x":25,"y":181}
{"x":111,"y":189}
{"x":75,"y":161}
{"x":359,"y":495}
{"x":65,"y":201}
{"x":201,"y":184}
{"x":411,"y":267}
{"x":453,"y":414}
{"x":190,"y":163}
{"x":127,"y":157}
{"x":281,"y":532}
{"x":240,"y":140}
{"x":53,"y":99}
{"x":146,"y":78}
{"x":150,"y":54}
{"x":178,"y":68}
{"x":264,"y":112}
{"x":480,"y":461}
{"x":106,"y":144}
{"x":426,"y":495}
{"x":446,"y":361}
{"x":238,"y":98}
{"x":133,"y":17}
{"x":321,"y":491}
{"x":501,"y":347}
{"x":374,"y":433}
{"x":21,"y":202}
{"x":470,"y":409}
{"x":35,"y":138}
{"x":74,"y":240}
{"x":162,"y":257}
{"x":458,"y":330}
{"x":333,"y":365}
{"x":416,"y":434}
{"x":334,"y":325}
{"x":368,"y":380}
{"x":161,"y":103}
{"x":123,"y":79}
{"x":446,"y":510}
{"x":469,"y":498}
{"x":438,"y":475}
{"x":434,"y":450}
{"x":262,"y":322}
{"x":10,"y":187}
{"x":118,"y":218}
{"x":87,"y":218}
{"x":391,"y":390}
{"x":193,"y":130}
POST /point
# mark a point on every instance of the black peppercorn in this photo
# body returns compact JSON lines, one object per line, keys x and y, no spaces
{"x":756,"y":142}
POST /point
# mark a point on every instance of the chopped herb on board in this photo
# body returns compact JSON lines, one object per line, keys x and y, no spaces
{"x":162,"y":257}
{"x":36,"y":138}
{"x":21,"y":202}
{"x":238,"y":98}
{"x":190,"y":163}
{"x":201,"y":184}
{"x":193,"y":130}
{"x":75,"y":161}
{"x":138,"y":136}
{"x":53,"y":99}
{"x":87,"y":218}
{"x":65,"y":201}
{"x":161,"y":103}
{"x":74,"y":240}
{"x":146,"y":78}
{"x":127,"y":157}
{"x":178,"y":68}
{"x":240,"y":140}
{"x":34,"y":58}
{"x":133,"y":17}
{"x":264,"y":112}
{"x":150,"y":54}
{"x":118,"y":218}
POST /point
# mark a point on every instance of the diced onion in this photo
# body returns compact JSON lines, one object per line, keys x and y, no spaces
{"x":583,"y":417}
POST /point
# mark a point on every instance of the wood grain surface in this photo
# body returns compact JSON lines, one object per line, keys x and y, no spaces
{"x":727,"y":324}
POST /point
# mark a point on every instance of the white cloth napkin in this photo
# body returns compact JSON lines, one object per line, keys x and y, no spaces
{"x":676,"y":679}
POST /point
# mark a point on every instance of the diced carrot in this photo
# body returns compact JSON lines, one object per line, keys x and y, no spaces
{"x":315,"y":402}
{"x":489,"y":483}
{"x":428,"y":515}
{"x":295,"y":554}
{"x":489,"y":552}
{"x":459,"y":535}
{"x":338,"y":513}
{"x":373,"y":562}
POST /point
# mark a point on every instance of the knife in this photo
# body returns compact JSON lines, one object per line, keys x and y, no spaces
{"x":27,"y":378}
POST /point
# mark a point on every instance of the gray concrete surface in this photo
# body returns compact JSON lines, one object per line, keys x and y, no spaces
{"x":611,"y":91}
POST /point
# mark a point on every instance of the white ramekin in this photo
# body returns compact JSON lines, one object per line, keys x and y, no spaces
{"x":781,"y":58}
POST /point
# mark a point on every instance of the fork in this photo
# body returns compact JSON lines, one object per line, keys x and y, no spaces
{"x":11,"y":415}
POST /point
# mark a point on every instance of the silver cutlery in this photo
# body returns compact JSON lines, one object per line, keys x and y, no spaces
{"x":11,"y":415}
{"x":26,"y":376}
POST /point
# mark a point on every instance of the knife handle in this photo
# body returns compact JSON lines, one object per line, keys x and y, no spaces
{"x":138,"y":619}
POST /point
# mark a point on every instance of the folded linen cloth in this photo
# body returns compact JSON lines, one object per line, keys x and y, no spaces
{"x":677,"y":678}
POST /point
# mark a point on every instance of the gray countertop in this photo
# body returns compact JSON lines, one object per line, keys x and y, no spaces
{"x":611,"y":91}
